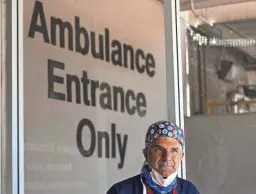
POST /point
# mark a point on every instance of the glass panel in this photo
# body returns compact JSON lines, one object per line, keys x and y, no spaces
{"x":94,"y":79}
{"x":219,"y":57}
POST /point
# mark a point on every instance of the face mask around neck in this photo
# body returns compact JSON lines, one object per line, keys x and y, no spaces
{"x":158,"y":179}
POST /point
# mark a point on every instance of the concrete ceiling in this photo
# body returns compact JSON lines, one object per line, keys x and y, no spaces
{"x":235,"y":30}
{"x":224,"y":13}
{"x":225,"y":31}
{"x":234,"y":21}
{"x":245,"y":28}
{"x":185,"y":5}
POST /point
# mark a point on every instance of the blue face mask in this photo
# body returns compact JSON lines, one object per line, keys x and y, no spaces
{"x":146,"y":176}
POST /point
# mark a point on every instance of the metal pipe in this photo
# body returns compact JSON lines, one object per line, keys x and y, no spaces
{"x":197,"y":15}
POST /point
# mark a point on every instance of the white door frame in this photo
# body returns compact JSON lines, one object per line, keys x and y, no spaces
{"x":14,"y":128}
{"x":174,"y":67}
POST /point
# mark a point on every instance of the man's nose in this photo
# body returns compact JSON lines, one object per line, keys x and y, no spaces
{"x":166,"y":155}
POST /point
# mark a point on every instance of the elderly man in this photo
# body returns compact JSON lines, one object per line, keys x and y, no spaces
{"x":163,"y":154}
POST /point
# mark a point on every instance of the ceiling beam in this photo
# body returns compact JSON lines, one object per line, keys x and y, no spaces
{"x":224,"y":32}
{"x":220,"y":16}
{"x":223,"y":14}
{"x":200,"y":4}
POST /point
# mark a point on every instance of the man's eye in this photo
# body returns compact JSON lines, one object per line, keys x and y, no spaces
{"x":175,"y":150}
{"x":157,"y":149}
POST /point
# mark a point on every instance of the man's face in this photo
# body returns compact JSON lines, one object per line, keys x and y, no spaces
{"x":164,"y":155}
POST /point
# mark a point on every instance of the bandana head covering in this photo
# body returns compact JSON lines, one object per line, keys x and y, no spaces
{"x":164,"y":129}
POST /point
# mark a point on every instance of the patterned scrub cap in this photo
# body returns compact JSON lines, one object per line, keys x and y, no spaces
{"x":164,"y":129}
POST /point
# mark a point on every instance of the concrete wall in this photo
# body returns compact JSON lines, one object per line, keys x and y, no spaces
{"x":220,"y":153}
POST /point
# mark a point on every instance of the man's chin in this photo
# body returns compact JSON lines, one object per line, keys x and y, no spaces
{"x":165,"y":174}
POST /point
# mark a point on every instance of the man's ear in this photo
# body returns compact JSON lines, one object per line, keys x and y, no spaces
{"x":182,"y":156}
{"x":145,"y":153}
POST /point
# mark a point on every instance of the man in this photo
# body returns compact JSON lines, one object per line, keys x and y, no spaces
{"x":239,"y":96}
{"x":163,"y":154}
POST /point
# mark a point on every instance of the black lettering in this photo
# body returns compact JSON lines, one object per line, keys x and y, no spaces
{"x":73,"y":79}
{"x":85,"y":82}
{"x":140,"y":68}
{"x":140,"y":104}
{"x":100,"y":53}
{"x":107,"y":53}
{"x":150,"y":65}
{"x":83,"y":123}
{"x":105,"y":97}
{"x":116,"y":55}
{"x":122,"y":149}
{"x":94,"y":86}
{"x":122,"y":55}
{"x":120,"y":91}
{"x":38,"y":12}
{"x":53,"y":78}
{"x":81,"y":31}
{"x":101,"y":136}
{"x":130,"y":95}
{"x":128,"y":49}
{"x":113,"y":137}
{"x":62,"y":26}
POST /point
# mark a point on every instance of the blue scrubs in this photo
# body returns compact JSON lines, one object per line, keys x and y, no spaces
{"x":134,"y":186}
